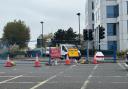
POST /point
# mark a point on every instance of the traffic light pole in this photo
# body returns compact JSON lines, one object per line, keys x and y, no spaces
{"x":88,"y":48}
{"x":101,"y":34}
{"x":99,"y":43}
{"x":87,"y":52}
{"x":99,"y":37}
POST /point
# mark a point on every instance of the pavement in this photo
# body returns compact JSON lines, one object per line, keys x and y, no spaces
{"x":75,"y":76}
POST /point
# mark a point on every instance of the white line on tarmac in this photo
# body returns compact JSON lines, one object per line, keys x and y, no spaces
{"x":109,"y":76}
{"x":11,"y":79}
{"x":15,"y":69}
{"x":22,"y":76}
{"x":6,"y":76}
{"x":121,"y":66}
{"x":45,"y":81}
{"x":36,"y":86}
{"x":2,"y":72}
{"x":120,"y":82}
{"x":21,"y":82}
{"x":89,"y":77}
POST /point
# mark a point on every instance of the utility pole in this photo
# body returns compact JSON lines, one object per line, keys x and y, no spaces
{"x":42,"y":32}
{"x":79,"y":25}
{"x":42,"y":35}
{"x":101,"y":34}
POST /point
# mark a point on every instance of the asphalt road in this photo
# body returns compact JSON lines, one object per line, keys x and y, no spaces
{"x":77,"y":76}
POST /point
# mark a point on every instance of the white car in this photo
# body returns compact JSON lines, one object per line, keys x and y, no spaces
{"x":126,"y":64}
{"x":47,"y":51}
{"x":126,"y":61}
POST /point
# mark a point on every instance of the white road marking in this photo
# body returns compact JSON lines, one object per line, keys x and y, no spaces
{"x":127,"y":75}
{"x":22,"y":76}
{"x":67,"y":76}
{"x":45,"y":81}
{"x":41,"y":83}
{"x":121,"y":66}
{"x":120,"y":82}
{"x":109,"y":76}
{"x":2,"y":72}
{"x":6,"y":76}
{"x":89,"y":77}
{"x":15,"y":69}
{"x":61,"y":72}
{"x":10,"y":79}
{"x":22,"y":82}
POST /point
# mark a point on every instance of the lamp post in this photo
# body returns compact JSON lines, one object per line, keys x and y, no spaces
{"x":42,"y":35}
{"x":79,"y":25}
{"x":42,"y":32}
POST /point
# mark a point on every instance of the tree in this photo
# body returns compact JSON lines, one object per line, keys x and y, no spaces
{"x":16,"y":32}
{"x":70,"y":35}
{"x":63,"y":36}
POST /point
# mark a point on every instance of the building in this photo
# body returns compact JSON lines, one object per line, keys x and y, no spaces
{"x":113,"y":16}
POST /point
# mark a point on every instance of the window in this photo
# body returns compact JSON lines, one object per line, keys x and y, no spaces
{"x":92,"y":5}
{"x":112,"y":11}
{"x":93,"y":26}
{"x":111,"y":29}
{"x":92,"y":16}
{"x":112,"y":45}
{"x":64,"y":49}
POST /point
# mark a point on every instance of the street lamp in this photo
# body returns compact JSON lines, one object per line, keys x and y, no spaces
{"x":42,"y":32}
{"x":79,"y":25}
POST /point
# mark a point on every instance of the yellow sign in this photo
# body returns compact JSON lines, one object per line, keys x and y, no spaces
{"x":73,"y":52}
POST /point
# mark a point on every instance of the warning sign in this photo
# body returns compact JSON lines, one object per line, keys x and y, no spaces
{"x":73,"y":52}
{"x":55,"y":52}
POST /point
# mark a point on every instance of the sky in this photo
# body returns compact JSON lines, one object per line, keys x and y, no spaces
{"x":56,"y":14}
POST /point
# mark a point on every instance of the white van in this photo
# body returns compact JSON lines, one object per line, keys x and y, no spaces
{"x":47,"y":51}
{"x":64,"y":50}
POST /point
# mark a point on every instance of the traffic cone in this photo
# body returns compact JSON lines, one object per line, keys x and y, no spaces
{"x":67,"y":61}
{"x":8,"y":63}
{"x":37,"y":62}
{"x":94,"y":60}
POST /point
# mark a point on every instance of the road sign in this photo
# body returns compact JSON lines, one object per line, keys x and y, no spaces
{"x":55,"y":52}
{"x":73,"y":52}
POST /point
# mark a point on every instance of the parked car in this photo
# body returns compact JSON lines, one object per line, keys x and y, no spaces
{"x":47,"y":51}
{"x":126,"y":61}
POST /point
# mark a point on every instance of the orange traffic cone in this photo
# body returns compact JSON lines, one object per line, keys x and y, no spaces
{"x":67,"y":61}
{"x":37,"y":62}
{"x":94,"y":60}
{"x":8,"y":63}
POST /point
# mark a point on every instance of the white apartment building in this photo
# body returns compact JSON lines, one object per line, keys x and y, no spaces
{"x":113,"y":16}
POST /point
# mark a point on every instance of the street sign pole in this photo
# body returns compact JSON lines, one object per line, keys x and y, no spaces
{"x":99,"y":37}
{"x":88,"y":48}
{"x":114,"y":54}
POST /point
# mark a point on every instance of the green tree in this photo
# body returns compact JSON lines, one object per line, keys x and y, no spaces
{"x":70,"y":35}
{"x":16,"y":32}
{"x":63,"y":36}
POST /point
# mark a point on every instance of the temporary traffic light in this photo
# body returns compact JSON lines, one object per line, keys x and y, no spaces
{"x":85,"y":34}
{"x":90,"y":34}
{"x":101,"y":32}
